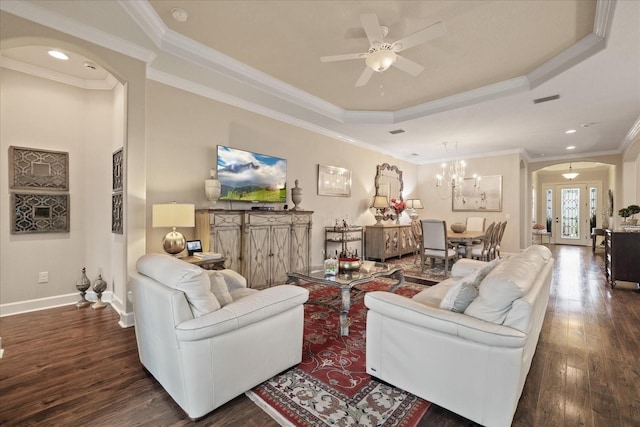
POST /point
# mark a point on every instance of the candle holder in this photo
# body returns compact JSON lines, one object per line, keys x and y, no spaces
{"x":82,"y":285}
{"x":98,"y":287}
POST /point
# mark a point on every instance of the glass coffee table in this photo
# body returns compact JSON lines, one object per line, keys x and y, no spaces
{"x":345,"y":281}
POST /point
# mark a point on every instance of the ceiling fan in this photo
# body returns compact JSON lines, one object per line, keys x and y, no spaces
{"x":382,"y":55}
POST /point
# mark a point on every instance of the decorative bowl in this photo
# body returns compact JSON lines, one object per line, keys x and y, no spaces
{"x":458,"y":227}
{"x":349,"y":264}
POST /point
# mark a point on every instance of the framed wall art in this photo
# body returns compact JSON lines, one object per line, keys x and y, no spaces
{"x":483,"y":194}
{"x":334,"y":181}
{"x":39,"y":213}
{"x":36,"y":170}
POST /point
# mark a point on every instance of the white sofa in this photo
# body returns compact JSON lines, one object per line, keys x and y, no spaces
{"x":475,"y":362}
{"x":205,"y":349}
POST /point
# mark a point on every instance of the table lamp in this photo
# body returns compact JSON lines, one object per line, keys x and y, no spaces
{"x":414,"y":204}
{"x":173,"y":215}
{"x":380,"y":203}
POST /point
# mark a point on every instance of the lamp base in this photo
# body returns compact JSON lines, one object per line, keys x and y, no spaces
{"x":173,"y":243}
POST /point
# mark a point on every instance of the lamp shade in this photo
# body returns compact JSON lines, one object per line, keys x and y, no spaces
{"x":380,"y":202}
{"x":414,"y":204}
{"x":173,"y":215}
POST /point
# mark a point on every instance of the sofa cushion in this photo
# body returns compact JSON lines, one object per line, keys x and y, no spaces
{"x":188,"y":278}
{"x":508,"y":281}
{"x":460,"y":295}
{"x":234,"y":279}
{"x":240,"y":293}
{"x":219,"y":287}
{"x":433,"y":295}
{"x":541,"y":250}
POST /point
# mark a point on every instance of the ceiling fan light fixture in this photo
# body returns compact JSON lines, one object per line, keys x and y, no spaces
{"x":381,"y":60}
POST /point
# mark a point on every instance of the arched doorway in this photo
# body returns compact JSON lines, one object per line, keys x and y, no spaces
{"x":570,"y":206}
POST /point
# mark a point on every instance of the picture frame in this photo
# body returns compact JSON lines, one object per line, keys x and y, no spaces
{"x":39,"y":213}
{"x":334,"y":181}
{"x":480,"y":194}
{"x":37,"y":169}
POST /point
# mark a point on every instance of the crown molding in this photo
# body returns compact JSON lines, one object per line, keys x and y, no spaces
{"x":107,"y":83}
{"x":35,"y":13}
{"x":604,"y":14}
{"x":575,"y":157}
{"x":208,"y":92}
{"x":146,"y":18}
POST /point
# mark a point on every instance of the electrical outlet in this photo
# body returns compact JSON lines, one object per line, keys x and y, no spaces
{"x":43,"y":277}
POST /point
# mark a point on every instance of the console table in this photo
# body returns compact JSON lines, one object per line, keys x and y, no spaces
{"x":388,"y":241}
{"x":621,"y":256}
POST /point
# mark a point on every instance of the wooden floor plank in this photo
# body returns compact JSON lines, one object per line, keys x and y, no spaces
{"x":65,"y":366}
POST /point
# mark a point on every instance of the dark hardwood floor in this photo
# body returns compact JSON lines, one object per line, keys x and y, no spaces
{"x":72,"y":367}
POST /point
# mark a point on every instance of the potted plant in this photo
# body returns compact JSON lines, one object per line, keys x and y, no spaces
{"x":633,"y":210}
{"x":629,"y":211}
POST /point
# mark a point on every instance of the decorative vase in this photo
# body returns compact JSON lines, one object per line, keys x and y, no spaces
{"x":212,"y":188}
{"x":605,"y":222}
{"x":458,"y":227}
{"x":82,"y":285}
{"x":296,"y":196}
{"x":99,"y":287}
{"x":398,"y":217}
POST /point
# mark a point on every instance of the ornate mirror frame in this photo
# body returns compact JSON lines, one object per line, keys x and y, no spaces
{"x":380,"y":173}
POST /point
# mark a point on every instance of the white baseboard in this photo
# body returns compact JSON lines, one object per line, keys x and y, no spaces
{"x":13,"y":308}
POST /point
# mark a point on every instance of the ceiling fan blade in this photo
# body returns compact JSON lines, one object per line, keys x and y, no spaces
{"x":344,"y":57}
{"x":421,"y":36}
{"x":371,"y":27}
{"x":364,"y":77}
{"x":408,"y":66}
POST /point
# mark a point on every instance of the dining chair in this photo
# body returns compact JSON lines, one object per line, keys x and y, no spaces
{"x":476,"y":223}
{"x":504,"y":225}
{"x":493,"y":242}
{"x":416,"y":231}
{"x":481,"y":250}
{"x":435,"y":243}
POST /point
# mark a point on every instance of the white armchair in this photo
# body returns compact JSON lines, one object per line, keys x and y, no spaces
{"x":205,"y":350}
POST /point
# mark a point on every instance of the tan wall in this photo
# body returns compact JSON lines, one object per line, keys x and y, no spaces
{"x":508,"y":167}
{"x":184,"y":129}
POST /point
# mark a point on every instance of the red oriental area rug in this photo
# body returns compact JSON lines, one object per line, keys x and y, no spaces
{"x":330,"y":386}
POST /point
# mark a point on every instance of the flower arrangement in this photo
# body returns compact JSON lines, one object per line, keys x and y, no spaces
{"x":398,"y":206}
{"x":539,"y":227}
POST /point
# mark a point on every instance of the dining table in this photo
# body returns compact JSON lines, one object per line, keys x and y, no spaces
{"x":466,"y":238}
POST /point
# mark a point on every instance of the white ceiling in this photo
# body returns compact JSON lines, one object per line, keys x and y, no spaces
{"x":478,"y":86}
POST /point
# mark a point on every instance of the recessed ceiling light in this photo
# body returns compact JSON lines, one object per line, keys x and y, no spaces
{"x":179,"y":14}
{"x":570,"y":131}
{"x":58,"y":55}
{"x":571,"y":147}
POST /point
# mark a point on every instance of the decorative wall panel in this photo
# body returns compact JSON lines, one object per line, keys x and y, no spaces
{"x":39,"y":213}
{"x":116,"y":213}
{"x":32,"y":169}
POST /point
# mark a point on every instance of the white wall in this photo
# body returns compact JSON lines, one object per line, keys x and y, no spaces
{"x":184,"y":129}
{"x":39,"y":113}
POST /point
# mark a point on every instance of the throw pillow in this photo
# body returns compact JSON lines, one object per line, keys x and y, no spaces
{"x":219,"y":288}
{"x":460,"y":295}
{"x":177,"y":274}
{"x":234,"y":279}
{"x":479,"y":275}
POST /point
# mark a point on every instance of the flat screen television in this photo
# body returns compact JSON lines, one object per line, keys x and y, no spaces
{"x":251,"y":177}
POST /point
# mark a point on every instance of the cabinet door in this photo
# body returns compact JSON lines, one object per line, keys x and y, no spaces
{"x":280,"y":254}
{"x":300,"y":249}
{"x":391,"y":242}
{"x":226,"y":240}
{"x":259,"y":259}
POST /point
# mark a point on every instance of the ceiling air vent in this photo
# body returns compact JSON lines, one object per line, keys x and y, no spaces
{"x":397,"y":131}
{"x":548,"y":98}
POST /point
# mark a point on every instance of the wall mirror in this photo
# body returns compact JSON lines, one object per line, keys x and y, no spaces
{"x":389,"y":181}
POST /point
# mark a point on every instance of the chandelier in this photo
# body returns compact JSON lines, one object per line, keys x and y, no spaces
{"x":451,"y":180}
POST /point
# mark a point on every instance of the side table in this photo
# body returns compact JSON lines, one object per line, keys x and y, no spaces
{"x":207,"y":264}
{"x":595,"y":232}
